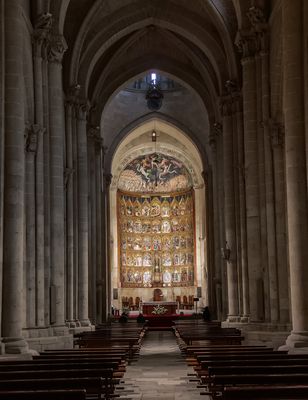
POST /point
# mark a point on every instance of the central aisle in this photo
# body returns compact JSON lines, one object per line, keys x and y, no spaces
{"x":160,"y":372}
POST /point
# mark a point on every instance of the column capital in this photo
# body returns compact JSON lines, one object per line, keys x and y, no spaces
{"x":57,"y":46}
{"x":42,"y":27}
{"x":32,"y":135}
{"x":81,"y":109}
{"x":259,"y":26}
{"x":76,"y":101}
{"x":93,"y":134}
{"x":247,"y":44}
{"x":257,"y":19}
{"x":72,"y":94}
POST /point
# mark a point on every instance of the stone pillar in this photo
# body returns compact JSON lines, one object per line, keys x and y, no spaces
{"x":93,"y":135}
{"x":14,"y":170}
{"x":247,"y":45}
{"x":46,"y":185}
{"x":41,"y":30}
{"x":213,"y":138}
{"x":296,"y":174}
{"x":83,"y":243}
{"x":57,"y":47}
{"x":69,"y":182}
{"x":242,"y":207}
{"x":2,"y":134}
{"x":106,"y":272}
{"x":221,"y":286}
{"x":30,"y":264}
{"x":35,"y":303}
{"x":276,"y":132}
{"x":230,"y":228}
{"x":100,"y":231}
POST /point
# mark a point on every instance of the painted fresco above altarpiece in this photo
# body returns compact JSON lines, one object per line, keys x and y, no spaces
{"x":156,"y":173}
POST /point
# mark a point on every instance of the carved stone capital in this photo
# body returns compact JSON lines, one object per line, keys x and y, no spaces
{"x":42,"y":27}
{"x":93,"y":134}
{"x":56,"y":48}
{"x":72,"y":94}
{"x":32,"y":136}
{"x":247,"y":43}
{"x":257,"y":19}
{"x":81,"y":110}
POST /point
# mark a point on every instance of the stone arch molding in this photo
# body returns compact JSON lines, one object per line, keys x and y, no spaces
{"x":171,"y":141}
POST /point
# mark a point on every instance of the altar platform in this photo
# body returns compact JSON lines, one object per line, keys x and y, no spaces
{"x":161,"y":314}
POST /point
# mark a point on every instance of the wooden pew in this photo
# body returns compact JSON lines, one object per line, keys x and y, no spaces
{"x":43,"y":395}
{"x":257,"y":370}
{"x":92,"y":386}
{"x":258,"y":379}
{"x":265,"y":392}
{"x":106,"y":376}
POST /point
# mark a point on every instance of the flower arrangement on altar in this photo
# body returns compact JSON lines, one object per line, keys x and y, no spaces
{"x":159,"y":310}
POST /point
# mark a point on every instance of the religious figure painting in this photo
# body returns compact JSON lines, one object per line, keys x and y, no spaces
{"x":155,"y":172}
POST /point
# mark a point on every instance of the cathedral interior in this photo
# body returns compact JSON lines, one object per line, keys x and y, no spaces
{"x":153,"y":148}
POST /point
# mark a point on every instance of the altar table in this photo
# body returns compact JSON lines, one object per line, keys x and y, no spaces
{"x":150,"y":306}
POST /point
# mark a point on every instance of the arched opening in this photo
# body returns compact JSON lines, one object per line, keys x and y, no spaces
{"x":157,"y":214}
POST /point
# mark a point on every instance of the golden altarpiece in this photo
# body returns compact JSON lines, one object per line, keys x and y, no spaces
{"x":155,"y":206}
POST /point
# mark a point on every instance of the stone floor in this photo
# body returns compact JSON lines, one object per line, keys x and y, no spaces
{"x":160,"y":372}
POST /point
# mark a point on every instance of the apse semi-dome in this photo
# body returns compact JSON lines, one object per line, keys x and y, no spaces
{"x":157,"y":173}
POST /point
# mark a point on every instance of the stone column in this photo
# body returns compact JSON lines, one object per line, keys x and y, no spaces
{"x":14,"y":170}
{"x":93,"y":134}
{"x":247,"y":45}
{"x":221,"y":288}
{"x":83,"y":251}
{"x":69,"y":182}
{"x":230,"y":227}
{"x":46,"y":184}
{"x":106,"y":272}
{"x":35,"y":304}
{"x":213,"y":138}
{"x":2,"y":134}
{"x":235,"y":98}
{"x":242,"y":207}
{"x":57,"y":47}
{"x":100,"y":232}
{"x":41,"y":30}
{"x":295,"y":160}
{"x":276,"y":132}
{"x":30,"y":264}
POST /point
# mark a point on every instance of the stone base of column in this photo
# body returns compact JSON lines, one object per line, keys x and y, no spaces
{"x":233,"y":318}
{"x":15,"y":345}
{"x":2,"y":347}
{"x":244,"y":319}
{"x":85,"y":322}
{"x":296,"y":341}
{"x":71,"y":323}
{"x":60,"y":330}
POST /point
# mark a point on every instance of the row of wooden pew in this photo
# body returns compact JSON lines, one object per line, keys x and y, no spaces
{"x":211,"y":332}
{"x":114,"y":334}
{"x":238,"y":372}
{"x":66,"y":374}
